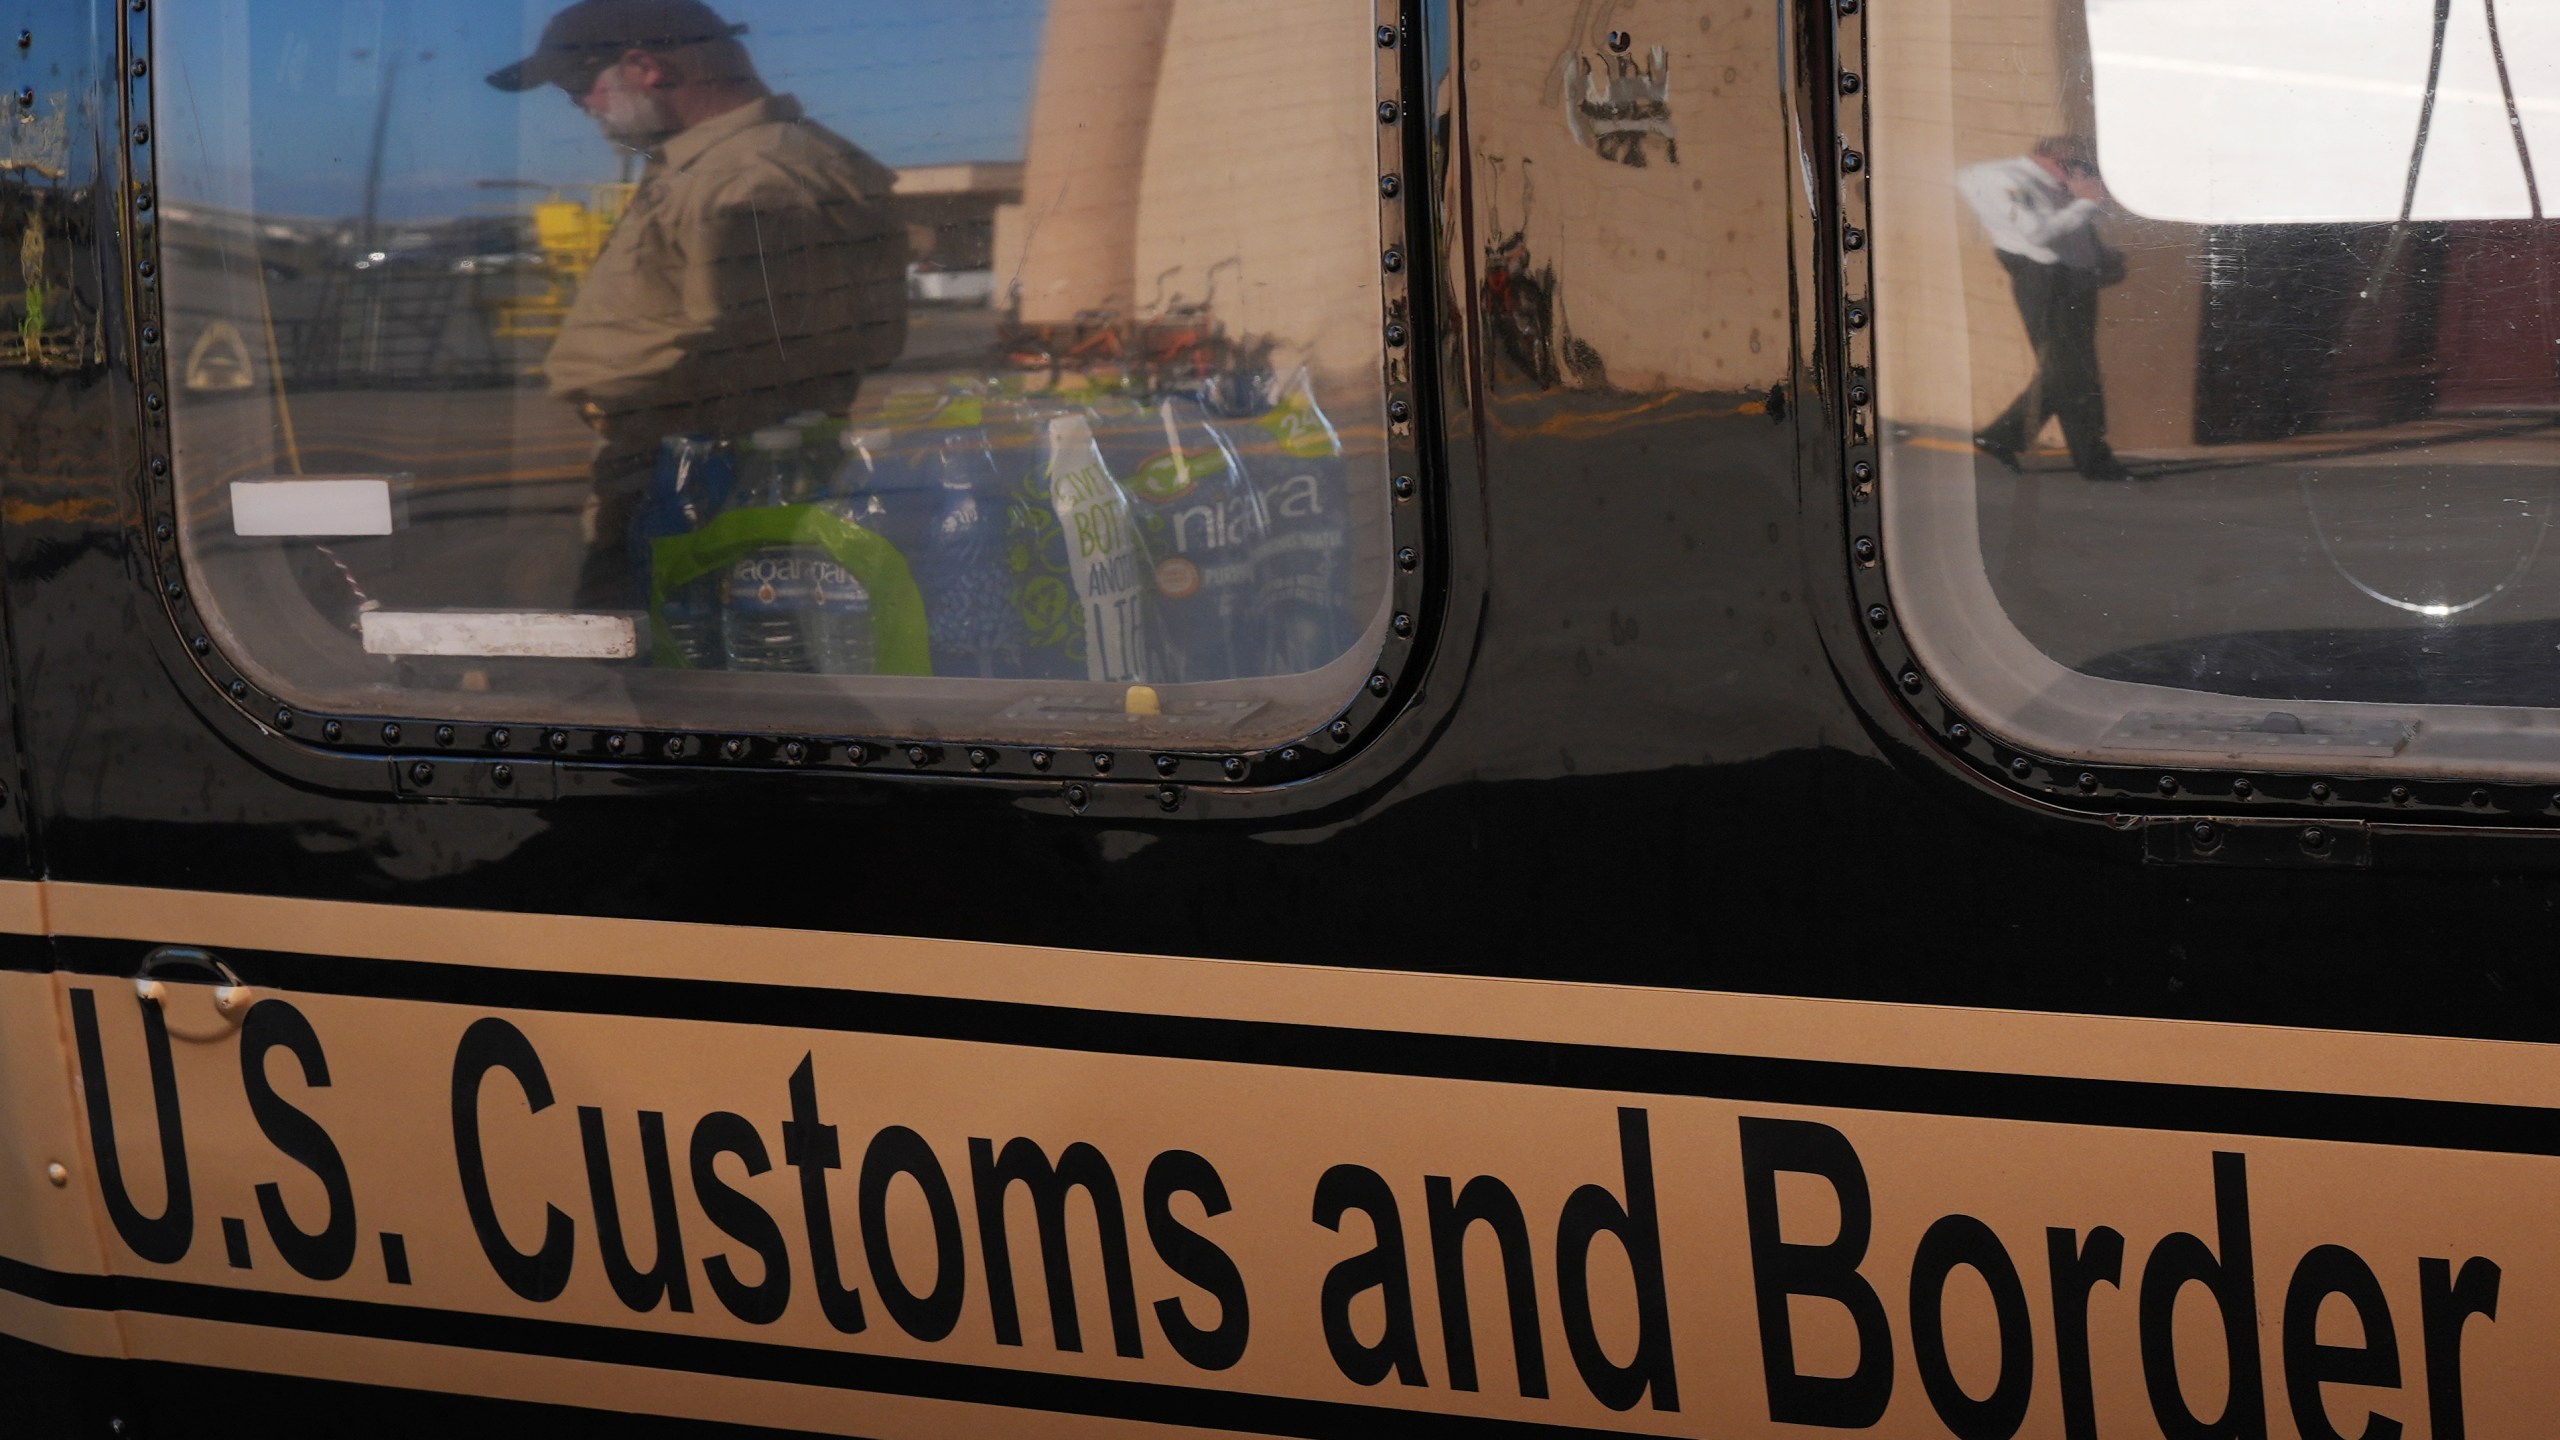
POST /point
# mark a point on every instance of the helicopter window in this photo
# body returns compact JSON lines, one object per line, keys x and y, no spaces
{"x":2225,"y":432}
{"x":1003,"y":372}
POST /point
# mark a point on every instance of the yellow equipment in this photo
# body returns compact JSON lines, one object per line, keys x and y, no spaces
{"x":572,"y":234}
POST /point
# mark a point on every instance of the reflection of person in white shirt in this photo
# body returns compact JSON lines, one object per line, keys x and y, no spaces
{"x":2041,"y":211}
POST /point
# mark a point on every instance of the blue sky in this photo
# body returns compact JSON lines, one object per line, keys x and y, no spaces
{"x":912,"y":81}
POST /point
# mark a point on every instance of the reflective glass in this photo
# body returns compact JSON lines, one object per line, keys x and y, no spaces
{"x":1005,"y":371}
{"x":2217,"y":372}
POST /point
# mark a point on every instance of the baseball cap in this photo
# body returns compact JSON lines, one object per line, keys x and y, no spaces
{"x":592,"y":34}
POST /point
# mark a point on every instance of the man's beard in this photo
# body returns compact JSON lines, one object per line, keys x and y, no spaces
{"x":632,"y":117}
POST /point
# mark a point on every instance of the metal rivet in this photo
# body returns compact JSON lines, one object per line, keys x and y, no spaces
{"x":161,"y":531}
{"x":1853,"y":238}
{"x":1620,"y":40}
{"x":284,"y":719}
{"x":1402,"y":625}
{"x":1849,"y":84}
{"x":980,"y":758}
{"x":1407,"y":558}
{"x":239,"y":689}
{"x":146,"y":270}
{"x":27,"y":98}
{"x":919,"y":755}
{"x":2314,"y":838}
{"x":1404,"y":487}
{"x":26,"y":38}
{"x":1077,"y":797}
{"x":141,"y":134}
{"x":150,"y":334}
{"x":1232,"y":768}
{"x":332,"y":731}
{"x":1911,"y":681}
{"x":1848,"y":7}
{"x":1859,"y":396}
{"x":423,"y":773}
{"x":1386,"y":37}
{"x":2205,"y":836}
{"x":2319,"y":789}
{"x":2242,"y":788}
{"x":1878,"y":616}
{"x":1393,"y":260}
{"x":2480,"y":799}
{"x":1390,"y":186}
{"x":1960,"y":732}
{"x":58,"y":1173}
{"x":142,"y":200}
{"x":1852,"y":161}
{"x":1166,"y":764}
{"x":1039,"y":759}
{"x":1378,"y":683}
{"x":616,"y":743}
{"x":176,"y":589}
{"x":2168,"y":784}
{"x":1386,"y":112}
{"x":2399,"y":794}
{"x":1289,"y":755}
{"x":502,"y":776}
{"x":200,"y":645}
{"x":1399,"y":410}
{"x":141,"y":68}
{"x":2088,"y":783}
{"x":1865,"y":549}
{"x":1856,"y":316}
{"x":1395,"y":337}
{"x":557,"y":739}
{"x":159,"y":465}
{"x":856,"y":753}
{"x":794,"y":751}
{"x":2020,"y":767}
{"x":733,"y":748}
{"x":444,"y":734}
{"x":1101,"y":762}
{"x":674,"y":748}
{"x":1862,"y":472}
{"x":1169,"y":796}
{"x":501,"y":738}
{"x":1340,"y":730}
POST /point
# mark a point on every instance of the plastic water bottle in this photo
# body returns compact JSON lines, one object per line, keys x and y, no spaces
{"x":960,"y":566}
{"x":1107,"y":565}
{"x":767,"y":596}
{"x":694,"y":476}
{"x":838,"y":619}
{"x":1202,"y":521}
{"x":1302,"y":567}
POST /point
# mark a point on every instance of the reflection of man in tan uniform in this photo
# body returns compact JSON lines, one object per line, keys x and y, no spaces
{"x":758,"y":271}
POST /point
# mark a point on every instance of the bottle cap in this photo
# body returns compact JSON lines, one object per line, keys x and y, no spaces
{"x":774,"y":441}
{"x":1143,"y":700}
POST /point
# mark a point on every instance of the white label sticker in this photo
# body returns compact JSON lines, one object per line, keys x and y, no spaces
{"x":547,"y":635}
{"x":354,"y":505}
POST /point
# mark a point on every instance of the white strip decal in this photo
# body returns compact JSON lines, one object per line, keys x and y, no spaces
{"x":546,"y":635}
{"x":354,"y":505}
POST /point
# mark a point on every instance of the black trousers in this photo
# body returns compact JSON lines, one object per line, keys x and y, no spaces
{"x":607,"y":576}
{"x":2060,"y":306}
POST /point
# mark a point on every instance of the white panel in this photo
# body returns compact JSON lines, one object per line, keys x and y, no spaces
{"x":335,"y":507}
{"x":542,"y":634}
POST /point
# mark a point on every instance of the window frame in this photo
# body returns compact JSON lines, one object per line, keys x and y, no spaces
{"x":535,"y":761}
{"x":2461,"y":773}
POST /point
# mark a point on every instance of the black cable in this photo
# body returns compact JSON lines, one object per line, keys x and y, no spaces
{"x":2427,"y":111}
{"x":2515,"y":118}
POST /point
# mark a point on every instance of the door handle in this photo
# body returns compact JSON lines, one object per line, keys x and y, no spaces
{"x":230,"y":995}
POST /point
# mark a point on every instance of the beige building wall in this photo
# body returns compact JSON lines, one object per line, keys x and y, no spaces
{"x":1069,"y":246}
{"x":1959,"y":82}
{"x":1654,"y":264}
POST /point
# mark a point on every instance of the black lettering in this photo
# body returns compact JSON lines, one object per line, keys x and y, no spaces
{"x":330,"y":1251}
{"x":898,"y":1151}
{"x":1961,"y":1241}
{"x":1196,"y":1258}
{"x":724,"y":1132}
{"x":2076,"y":1270}
{"x":2182,"y":1260}
{"x":1079,"y":1167}
{"x":1588,"y":1213}
{"x":809,"y":1145}
{"x":2446,"y":1301}
{"x":1381,"y":1267}
{"x":1827,"y":1271}
{"x":2308,"y":1364}
{"x":668,"y":1277}
{"x":1488,"y":1202}
{"x":162,"y":1239}
{"x":493,"y":1044}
